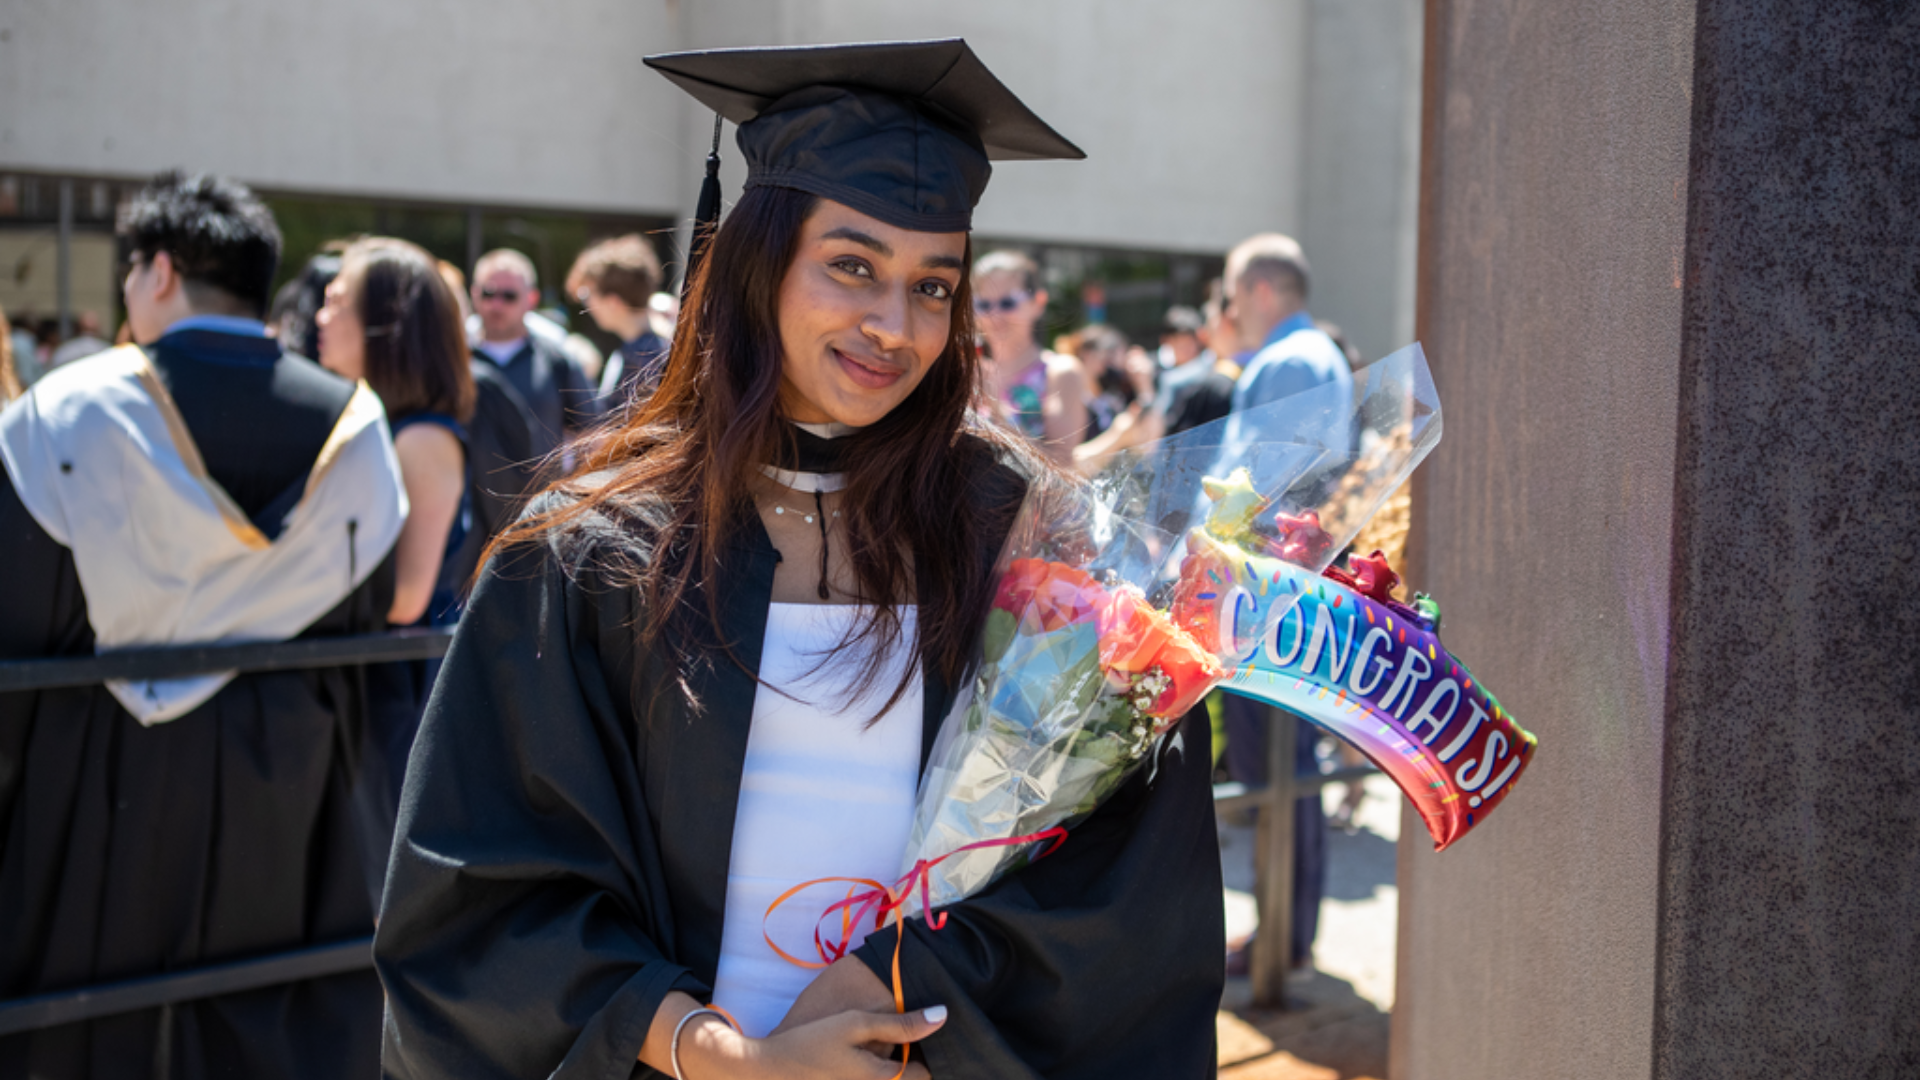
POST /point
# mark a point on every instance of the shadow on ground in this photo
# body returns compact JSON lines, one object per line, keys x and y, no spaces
{"x":1327,"y":1032}
{"x":1358,"y":864}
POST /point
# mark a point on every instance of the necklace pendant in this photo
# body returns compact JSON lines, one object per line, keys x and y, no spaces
{"x":809,"y":519}
{"x":779,"y":509}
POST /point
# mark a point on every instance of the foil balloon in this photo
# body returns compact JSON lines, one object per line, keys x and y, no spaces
{"x":1344,"y":654}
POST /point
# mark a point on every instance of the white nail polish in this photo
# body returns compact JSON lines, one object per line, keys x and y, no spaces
{"x":934,"y":1014}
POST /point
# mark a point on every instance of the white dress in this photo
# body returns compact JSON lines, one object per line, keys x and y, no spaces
{"x":822,"y":794}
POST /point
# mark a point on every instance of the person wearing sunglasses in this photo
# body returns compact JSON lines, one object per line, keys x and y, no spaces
{"x":1037,"y":392}
{"x":554,"y":386}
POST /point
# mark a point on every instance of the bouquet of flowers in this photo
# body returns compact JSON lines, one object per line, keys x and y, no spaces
{"x":1086,"y":662}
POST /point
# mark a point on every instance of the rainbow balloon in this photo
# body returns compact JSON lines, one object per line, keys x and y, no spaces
{"x":1345,"y":655}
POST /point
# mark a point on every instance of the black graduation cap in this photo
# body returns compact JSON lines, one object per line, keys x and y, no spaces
{"x":901,"y":130}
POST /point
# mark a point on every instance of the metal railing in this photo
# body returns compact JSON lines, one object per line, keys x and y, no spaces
{"x":251,"y":973}
{"x":1273,"y":859}
{"x":1269,"y":958}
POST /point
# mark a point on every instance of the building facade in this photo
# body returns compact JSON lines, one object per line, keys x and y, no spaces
{"x":468,"y":125}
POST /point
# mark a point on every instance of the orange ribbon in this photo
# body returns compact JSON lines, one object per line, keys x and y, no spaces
{"x":884,"y":905}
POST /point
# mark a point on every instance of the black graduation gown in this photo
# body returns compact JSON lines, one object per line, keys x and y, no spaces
{"x":565,"y":836}
{"x":555,"y":390}
{"x":501,"y":463}
{"x":128,"y":851}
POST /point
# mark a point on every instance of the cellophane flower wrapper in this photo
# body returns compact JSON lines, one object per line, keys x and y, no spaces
{"x":1082,"y":671}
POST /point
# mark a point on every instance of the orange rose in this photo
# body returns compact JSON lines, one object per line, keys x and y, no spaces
{"x":1049,"y":593}
{"x":1135,"y":639}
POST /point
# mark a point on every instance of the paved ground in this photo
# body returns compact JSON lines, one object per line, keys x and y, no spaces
{"x":1336,"y":1025}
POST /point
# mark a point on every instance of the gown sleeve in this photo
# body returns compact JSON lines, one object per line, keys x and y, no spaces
{"x":519,"y":933}
{"x":1107,"y":958}
{"x":42,"y":613}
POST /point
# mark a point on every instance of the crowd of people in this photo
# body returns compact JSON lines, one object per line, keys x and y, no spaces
{"x":344,"y":456}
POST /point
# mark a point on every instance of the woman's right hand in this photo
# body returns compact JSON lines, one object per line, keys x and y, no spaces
{"x":832,"y":1048}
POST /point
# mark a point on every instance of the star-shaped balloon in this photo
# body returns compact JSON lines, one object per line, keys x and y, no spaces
{"x":1302,"y":541}
{"x":1373,"y":577}
{"x":1235,"y":505}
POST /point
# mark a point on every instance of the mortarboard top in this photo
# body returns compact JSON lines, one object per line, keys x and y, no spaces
{"x":902,"y":131}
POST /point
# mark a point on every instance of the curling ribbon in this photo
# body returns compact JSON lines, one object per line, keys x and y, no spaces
{"x":884,"y":905}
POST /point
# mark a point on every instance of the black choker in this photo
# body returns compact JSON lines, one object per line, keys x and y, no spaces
{"x":802,"y":451}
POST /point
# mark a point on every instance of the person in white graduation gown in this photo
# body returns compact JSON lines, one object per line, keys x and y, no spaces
{"x":201,"y":486}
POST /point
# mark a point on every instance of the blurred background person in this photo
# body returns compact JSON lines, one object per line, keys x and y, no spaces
{"x":1217,"y":336}
{"x":189,"y":822}
{"x":85,"y":342}
{"x":20,"y":345}
{"x":1266,"y":285}
{"x":1037,"y":392}
{"x":500,"y":448}
{"x":1116,"y":376}
{"x":1265,"y":292}
{"x":1180,"y":330}
{"x":291,"y":318}
{"x":615,"y":281}
{"x":580,"y":349}
{"x":46,"y":338}
{"x":389,"y":319}
{"x":1197,"y":390}
{"x":9,"y":379}
{"x":553,"y":385}
{"x":663,"y":310}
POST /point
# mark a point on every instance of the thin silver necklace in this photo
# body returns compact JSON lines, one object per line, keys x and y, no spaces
{"x":820,"y":484}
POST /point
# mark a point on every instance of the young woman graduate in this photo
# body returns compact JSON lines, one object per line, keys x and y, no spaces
{"x":710,"y":665}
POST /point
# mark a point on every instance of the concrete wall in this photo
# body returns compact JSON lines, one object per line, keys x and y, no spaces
{"x":1192,"y":115}
{"x":520,"y":103}
{"x":1553,"y":232}
{"x":1360,"y":191}
{"x":1197,"y":117}
{"x":1203,"y":122}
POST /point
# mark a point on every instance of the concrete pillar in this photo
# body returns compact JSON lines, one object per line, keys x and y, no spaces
{"x":1790,"y":878}
{"x":1670,"y":287}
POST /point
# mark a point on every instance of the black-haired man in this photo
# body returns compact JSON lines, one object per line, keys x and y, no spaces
{"x":199,"y":486}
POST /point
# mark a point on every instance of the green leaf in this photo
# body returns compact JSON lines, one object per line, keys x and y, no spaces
{"x":998,"y":634}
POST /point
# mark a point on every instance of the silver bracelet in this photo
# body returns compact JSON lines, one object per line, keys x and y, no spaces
{"x":673,"y":1048}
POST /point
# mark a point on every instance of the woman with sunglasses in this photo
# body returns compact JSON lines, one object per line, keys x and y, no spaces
{"x":1037,"y":392}
{"x":710,"y":664}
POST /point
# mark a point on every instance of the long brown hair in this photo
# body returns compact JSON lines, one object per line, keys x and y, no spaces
{"x":416,"y":352}
{"x":913,"y":478}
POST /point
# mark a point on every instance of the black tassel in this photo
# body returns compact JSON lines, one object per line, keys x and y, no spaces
{"x":706,"y":212}
{"x":820,"y":511}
